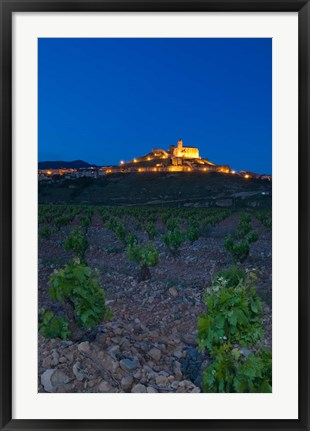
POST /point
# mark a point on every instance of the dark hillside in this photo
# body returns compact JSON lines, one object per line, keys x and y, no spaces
{"x":160,"y":189}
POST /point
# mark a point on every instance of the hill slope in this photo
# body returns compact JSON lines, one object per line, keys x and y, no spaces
{"x":160,"y":189}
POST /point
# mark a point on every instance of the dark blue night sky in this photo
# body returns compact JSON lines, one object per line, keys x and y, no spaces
{"x":106,"y":100}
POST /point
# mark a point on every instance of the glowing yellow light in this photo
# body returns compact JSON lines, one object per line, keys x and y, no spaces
{"x":149,"y":158}
{"x":246,"y":176}
{"x":135,"y":160}
{"x":154,"y":169}
{"x":49,"y":172}
{"x":204,"y":169}
{"x":122,"y":162}
{"x":189,"y":169}
{"x":139,"y":170}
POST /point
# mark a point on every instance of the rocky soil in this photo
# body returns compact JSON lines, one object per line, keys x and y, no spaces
{"x":149,"y":345}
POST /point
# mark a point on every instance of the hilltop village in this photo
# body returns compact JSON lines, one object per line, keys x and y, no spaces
{"x":177,"y":158}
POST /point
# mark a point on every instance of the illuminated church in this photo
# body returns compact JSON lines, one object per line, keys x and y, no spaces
{"x":185,"y":152}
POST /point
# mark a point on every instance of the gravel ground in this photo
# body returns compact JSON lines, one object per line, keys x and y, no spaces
{"x":149,"y":345}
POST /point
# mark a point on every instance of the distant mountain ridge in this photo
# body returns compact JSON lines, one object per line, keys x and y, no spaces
{"x":75,"y":164}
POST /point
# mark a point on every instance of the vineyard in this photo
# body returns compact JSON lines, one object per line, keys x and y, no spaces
{"x":136,"y":299}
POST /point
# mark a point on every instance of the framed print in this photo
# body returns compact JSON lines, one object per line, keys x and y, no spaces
{"x":154,"y":215}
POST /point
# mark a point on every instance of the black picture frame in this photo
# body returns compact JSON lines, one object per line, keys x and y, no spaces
{"x":8,"y":7}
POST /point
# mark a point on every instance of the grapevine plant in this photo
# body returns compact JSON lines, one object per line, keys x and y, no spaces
{"x":240,"y":249}
{"x":173,"y":240}
{"x":78,"y":285}
{"x":53,"y":326}
{"x":77,"y":242}
{"x":145,"y":255}
{"x":230,"y":327}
